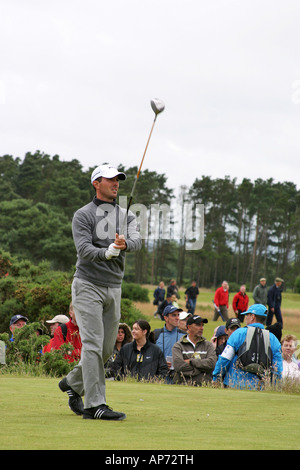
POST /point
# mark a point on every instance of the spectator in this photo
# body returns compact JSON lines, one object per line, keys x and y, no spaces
{"x":221,"y":338}
{"x":194,"y":357}
{"x":53,"y":324}
{"x":167,"y":336}
{"x":159,"y":296}
{"x":290,"y":366}
{"x":240,"y":303}
{"x":191,"y":294}
{"x":183,"y":316}
{"x":173,"y":289}
{"x":260,"y":293}
{"x":221,"y":302}
{"x":140,"y":358}
{"x":69,"y":333}
{"x":213,"y":339}
{"x":232,"y":324}
{"x":163,"y":305}
{"x":174,"y":301}
{"x":17,"y":321}
{"x":228,"y":368}
{"x":124,"y":336}
{"x":274,"y":301}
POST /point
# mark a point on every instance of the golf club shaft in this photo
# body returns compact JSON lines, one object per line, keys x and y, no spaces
{"x":139,"y":170}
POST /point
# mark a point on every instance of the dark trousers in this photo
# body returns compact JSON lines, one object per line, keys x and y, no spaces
{"x":277,"y":313}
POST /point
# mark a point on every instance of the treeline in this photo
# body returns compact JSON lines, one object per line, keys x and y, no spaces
{"x":251,"y":229}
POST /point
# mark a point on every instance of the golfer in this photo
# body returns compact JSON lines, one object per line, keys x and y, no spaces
{"x":102,"y":234}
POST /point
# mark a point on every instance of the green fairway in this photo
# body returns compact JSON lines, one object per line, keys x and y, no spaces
{"x":34,"y":415}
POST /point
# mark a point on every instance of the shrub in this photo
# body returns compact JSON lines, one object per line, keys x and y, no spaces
{"x":129,"y":313}
{"x":54,"y":363}
{"x":134,"y":292}
{"x":8,"y":309}
{"x":26,"y":351}
{"x":26,"y":346}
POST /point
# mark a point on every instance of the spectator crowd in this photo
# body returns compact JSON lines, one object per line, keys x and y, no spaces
{"x":179,"y":353}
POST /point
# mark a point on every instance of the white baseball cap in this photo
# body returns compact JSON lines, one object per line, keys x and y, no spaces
{"x":107,"y":171}
{"x":59,"y":319}
{"x":184,"y":315}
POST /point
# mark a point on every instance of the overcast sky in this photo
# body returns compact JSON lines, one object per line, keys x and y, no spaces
{"x":77,"y":77}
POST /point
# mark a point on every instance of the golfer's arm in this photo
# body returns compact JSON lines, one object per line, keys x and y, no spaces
{"x":82,"y":235}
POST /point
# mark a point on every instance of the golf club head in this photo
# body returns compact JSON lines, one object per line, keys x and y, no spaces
{"x":157,"y":105}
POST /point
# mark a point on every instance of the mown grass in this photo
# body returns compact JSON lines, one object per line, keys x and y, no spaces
{"x":34,"y":415}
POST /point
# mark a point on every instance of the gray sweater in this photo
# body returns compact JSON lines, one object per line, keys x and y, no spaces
{"x":94,"y":227}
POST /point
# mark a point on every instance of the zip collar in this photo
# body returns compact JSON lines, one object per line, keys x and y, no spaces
{"x":98,"y":202}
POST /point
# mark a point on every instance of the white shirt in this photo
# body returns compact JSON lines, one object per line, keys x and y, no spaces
{"x":290,"y":370}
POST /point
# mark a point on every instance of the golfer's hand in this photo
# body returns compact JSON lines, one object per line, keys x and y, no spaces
{"x":112,"y":251}
{"x":120,"y":242}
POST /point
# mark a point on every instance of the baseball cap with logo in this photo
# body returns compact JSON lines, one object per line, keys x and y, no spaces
{"x":107,"y":171}
{"x":15,"y":318}
{"x":196,"y":319}
{"x":231,"y":322}
{"x":257,"y":309}
{"x":170,"y":309}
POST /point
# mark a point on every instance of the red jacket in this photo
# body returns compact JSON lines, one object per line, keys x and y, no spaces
{"x":72,"y":337}
{"x":240,"y":302}
{"x":221,"y":297}
{"x":48,"y":346}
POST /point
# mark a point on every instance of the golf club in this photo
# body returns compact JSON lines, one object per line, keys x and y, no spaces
{"x":157,"y":106}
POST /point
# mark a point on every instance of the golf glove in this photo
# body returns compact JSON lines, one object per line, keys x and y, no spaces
{"x":111,"y":251}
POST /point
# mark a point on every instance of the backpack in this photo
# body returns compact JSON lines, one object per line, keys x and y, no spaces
{"x":157,"y":332}
{"x":255,"y":354}
{"x":64,"y":330}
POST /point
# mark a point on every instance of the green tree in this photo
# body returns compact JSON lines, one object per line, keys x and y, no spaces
{"x":37,"y":232}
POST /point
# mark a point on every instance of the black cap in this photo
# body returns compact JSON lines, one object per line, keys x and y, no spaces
{"x":196,"y":319}
{"x":233,"y":322}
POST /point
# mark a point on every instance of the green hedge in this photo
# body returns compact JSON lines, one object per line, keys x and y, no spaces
{"x":135,"y":292}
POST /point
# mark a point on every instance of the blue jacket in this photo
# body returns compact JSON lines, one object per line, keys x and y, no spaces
{"x":235,"y":377}
{"x":159,"y":294}
{"x":167,"y":339}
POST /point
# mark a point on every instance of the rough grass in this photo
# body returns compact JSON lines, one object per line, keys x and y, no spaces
{"x":290,"y":310}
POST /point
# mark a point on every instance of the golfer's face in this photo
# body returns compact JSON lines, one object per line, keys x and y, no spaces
{"x":107,"y":189}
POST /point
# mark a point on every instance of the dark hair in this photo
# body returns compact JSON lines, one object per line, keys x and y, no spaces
{"x":260,"y":319}
{"x":144,"y":325}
